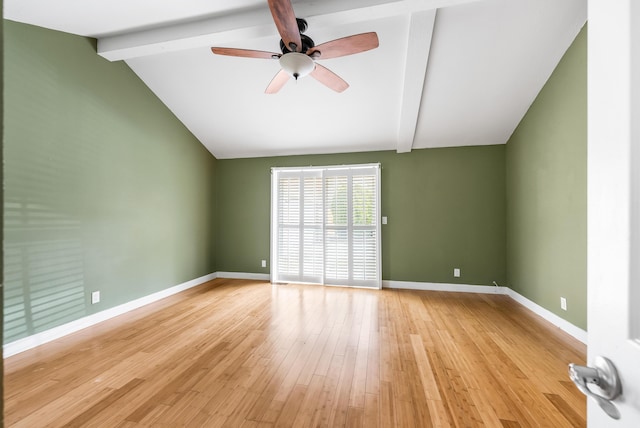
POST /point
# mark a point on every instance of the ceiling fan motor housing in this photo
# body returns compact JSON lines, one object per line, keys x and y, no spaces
{"x":307,"y":43}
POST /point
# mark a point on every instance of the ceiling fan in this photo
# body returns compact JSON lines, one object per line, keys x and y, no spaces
{"x":299,"y":52}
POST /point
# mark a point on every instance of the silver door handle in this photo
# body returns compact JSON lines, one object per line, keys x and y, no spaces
{"x":604,"y":380}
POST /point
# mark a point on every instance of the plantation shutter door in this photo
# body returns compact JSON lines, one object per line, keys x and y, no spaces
{"x":326,"y":225}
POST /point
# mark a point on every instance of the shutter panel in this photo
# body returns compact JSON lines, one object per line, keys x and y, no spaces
{"x":288,"y":227}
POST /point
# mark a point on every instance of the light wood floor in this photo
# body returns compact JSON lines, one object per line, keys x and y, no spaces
{"x":248,"y":354}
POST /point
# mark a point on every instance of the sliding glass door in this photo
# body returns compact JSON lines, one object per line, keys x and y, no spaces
{"x":326,"y":225}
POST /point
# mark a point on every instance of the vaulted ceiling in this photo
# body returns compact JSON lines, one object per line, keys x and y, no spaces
{"x":446,"y":73}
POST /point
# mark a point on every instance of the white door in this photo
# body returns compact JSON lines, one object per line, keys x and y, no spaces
{"x":614,"y":201}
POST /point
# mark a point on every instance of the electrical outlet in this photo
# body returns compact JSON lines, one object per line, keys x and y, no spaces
{"x":384,"y":219}
{"x":264,"y":263}
{"x":563,"y":303}
{"x":456,"y":272}
{"x":95,"y":297}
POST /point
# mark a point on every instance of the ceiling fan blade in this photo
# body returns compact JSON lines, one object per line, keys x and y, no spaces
{"x":329,"y":78}
{"x":285,"y":20}
{"x":246,"y":53}
{"x":277,"y":82}
{"x":345,"y":46}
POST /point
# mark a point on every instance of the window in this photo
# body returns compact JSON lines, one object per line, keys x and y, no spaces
{"x":325,"y":225}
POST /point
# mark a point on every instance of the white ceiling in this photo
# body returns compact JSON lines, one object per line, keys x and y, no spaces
{"x":447,"y":72}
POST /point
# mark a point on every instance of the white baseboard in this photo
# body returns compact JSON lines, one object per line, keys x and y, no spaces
{"x":434,"y":286}
{"x":37,"y":339}
{"x":549,"y":316}
{"x":244,"y":275}
{"x":554,"y":319}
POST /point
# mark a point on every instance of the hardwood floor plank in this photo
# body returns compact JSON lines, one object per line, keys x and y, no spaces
{"x":487,"y":413}
{"x":311,"y":363}
{"x":290,"y":410}
{"x":276,"y":377}
{"x":293,"y":371}
{"x":387,"y":405}
{"x":324,"y":361}
{"x":372,"y":385}
{"x":240,"y":413}
{"x":345,"y":382}
{"x":104,"y":404}
{"x":248,"y":353}
{"x":355,"y":417}
{"x":574,"y":419}
{"x":37,"y":395}
{"x":327,"y":397}
{"x":59,"y":411}
{"x":371,"y":411}
{"x":419,"y":403}
{"x":309,"y":404}
{"x":427,"y":379}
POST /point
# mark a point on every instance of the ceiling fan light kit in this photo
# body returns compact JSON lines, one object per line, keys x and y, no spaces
{"x":299,"y":51}
{"x":297,"y":64}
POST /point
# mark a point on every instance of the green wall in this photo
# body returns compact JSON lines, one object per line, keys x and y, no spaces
{"x":104,"y":188}
{"x":546,"y":164}
{"x":446,"y":209}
